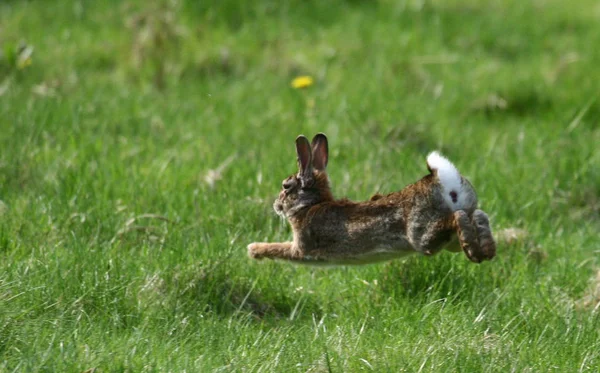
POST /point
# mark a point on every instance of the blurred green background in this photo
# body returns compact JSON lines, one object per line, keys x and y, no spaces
{"x":143,"y":142}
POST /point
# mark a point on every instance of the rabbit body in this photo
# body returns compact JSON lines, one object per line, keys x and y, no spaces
{"x":421,"y":218}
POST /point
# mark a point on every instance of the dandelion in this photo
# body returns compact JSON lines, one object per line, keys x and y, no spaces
{"x":21,"y":64}
{"x":302,"y":82}
{"x":24,"y":56}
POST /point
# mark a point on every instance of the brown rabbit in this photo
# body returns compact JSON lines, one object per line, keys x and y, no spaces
{"x":422,"y":217}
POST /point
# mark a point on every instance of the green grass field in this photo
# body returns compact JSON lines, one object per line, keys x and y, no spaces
{"x":142,"y":145}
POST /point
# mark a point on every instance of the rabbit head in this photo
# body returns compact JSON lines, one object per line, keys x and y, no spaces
{"x":310,"y":185}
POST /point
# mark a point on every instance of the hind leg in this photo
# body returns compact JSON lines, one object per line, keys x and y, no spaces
{"x":467,"y":236}
{"x":484,"y":234}
{"x":475,"y":235}
{"x":435,"y":236}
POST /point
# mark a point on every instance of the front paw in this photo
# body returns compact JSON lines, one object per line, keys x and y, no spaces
{"x":254,"y":251}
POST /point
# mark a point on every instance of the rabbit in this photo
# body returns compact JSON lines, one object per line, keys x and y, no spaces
{"x":421,"y":218}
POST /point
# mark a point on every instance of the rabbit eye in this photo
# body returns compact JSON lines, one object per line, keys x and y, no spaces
{"x":288,"y":184}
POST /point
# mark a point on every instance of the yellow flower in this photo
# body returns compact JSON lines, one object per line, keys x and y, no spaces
{"x":302,"y":82}
{"x":24,"y":56}
{"x":23,"y":63}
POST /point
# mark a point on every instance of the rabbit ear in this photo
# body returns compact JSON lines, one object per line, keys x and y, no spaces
{"x":304,"y":152}
{"x":320,"y":151}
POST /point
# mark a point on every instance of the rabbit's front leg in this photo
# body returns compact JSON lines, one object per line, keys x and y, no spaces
{"x":275,"y":250}
{"x":282,"y":251}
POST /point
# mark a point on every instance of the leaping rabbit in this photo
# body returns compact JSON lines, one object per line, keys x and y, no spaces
{"x":423,"y":217}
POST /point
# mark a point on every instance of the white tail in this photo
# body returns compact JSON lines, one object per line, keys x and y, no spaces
{"x":453,"y":189}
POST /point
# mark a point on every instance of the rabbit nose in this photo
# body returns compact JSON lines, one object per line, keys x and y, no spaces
{"x":282,"y":194}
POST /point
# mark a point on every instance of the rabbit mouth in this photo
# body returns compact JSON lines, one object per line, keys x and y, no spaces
{"x":278,"y":207}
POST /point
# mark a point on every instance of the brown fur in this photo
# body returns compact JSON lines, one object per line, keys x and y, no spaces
{"x":330,"y":231}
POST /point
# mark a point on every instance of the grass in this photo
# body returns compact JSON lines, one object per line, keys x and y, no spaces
{"x":144,"y":144}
